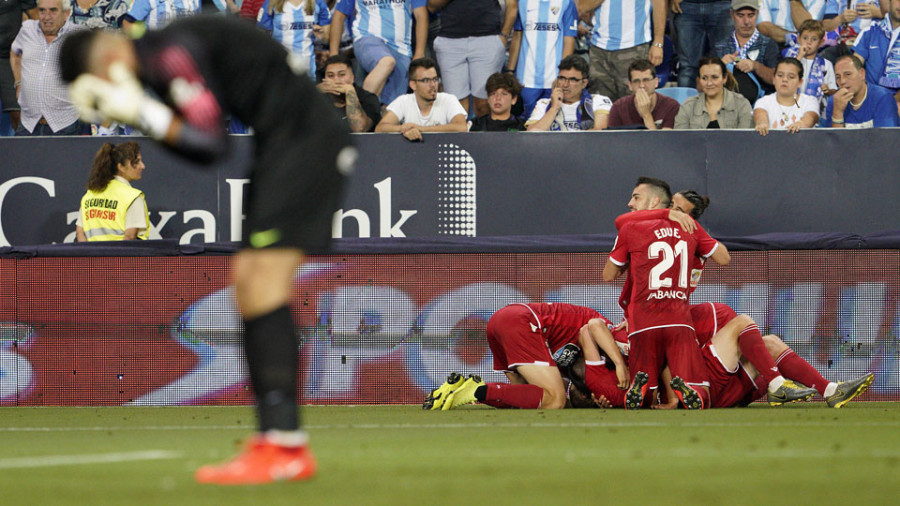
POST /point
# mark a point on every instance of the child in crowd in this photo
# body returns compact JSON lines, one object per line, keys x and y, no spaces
{"x":503,"y":92}
{"x":787,"y":108}
{"x":818,"y":73}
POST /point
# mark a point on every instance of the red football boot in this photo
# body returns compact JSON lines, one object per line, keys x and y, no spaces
{"x":261,"y":462}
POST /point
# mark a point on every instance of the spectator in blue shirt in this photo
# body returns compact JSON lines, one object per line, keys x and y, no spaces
{"x":857,"y":103}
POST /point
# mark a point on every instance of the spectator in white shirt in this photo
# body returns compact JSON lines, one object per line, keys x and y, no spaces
{"x":42,"y":96}
{"x":425,"y":109}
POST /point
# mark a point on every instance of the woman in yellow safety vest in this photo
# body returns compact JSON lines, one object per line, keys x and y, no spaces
{"x":112,"y":210}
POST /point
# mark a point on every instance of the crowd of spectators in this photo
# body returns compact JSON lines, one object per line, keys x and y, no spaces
{"x":519,"y":64}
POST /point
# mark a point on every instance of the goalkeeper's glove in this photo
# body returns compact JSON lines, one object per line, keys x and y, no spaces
{"x":121,"y":99}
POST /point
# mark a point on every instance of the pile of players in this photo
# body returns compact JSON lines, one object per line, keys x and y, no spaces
{"x":665,"y":354}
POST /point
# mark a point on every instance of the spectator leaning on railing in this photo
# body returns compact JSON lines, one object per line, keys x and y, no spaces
{"x":717,"y":105}
{"x":425,"y":109}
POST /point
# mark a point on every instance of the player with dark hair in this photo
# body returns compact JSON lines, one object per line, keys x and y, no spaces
{"x":749,"y":339}
{"x":659,"y":249}
{"x":766,"y":353}
{"x":654,"y":200}
{"x":657,"y":254}
{"x":530,"y":342}
{"x":202,"y":68}
{"x":650,"y":193}
{"x":690,"y":199}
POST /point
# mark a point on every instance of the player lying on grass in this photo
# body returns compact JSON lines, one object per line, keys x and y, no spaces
{"x":789,"y":363}
{"x":734,"y":381}
{"x":521,"y":337}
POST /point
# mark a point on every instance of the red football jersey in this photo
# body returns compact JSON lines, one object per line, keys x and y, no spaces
{"x":709,"y":318}
{"x":659,"y":255}
{"x":561,"y":322}
{"x":697,"y":264}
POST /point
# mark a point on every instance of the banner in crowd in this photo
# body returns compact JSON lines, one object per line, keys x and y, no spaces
{"x":490,"y":184}
{"x":99,"y":331}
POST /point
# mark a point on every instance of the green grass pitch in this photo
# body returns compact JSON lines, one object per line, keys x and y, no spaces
{"x":397,"y":455}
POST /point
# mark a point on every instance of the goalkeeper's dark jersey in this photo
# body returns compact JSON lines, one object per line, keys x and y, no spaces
{"x":207,"y":66}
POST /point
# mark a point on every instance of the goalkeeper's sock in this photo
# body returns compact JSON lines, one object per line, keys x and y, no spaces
{"x":794,"y":367}
{"x":271,"y":349}
{"x":503,"y":395}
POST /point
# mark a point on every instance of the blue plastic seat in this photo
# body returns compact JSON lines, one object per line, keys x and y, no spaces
{"x":678,"y":93}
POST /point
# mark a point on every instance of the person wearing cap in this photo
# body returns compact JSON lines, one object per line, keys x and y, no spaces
{"x":749,"y":54}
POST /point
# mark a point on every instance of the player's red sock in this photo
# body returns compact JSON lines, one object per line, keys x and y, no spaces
{"x":794,"y":367}
{"x":704,"y":397}
{"x":754,"y":349}
{"x":503,"y":395}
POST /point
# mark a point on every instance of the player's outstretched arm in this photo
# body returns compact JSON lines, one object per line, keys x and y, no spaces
{"x":595,"y":334}
{"x":665,"y":377}
{"x":611,"y":271}
{"x":721,"y":255}
{"x":684,"y":221}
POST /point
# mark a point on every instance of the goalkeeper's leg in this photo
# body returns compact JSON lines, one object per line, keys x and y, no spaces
{"x":263,"y":282}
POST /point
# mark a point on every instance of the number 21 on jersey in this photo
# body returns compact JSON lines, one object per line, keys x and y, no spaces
{"x":668,"y":255}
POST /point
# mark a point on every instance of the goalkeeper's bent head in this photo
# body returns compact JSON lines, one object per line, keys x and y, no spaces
{"x":91,"y":52}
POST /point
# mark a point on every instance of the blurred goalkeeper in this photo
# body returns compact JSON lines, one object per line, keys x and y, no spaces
{"x":177,"y":85}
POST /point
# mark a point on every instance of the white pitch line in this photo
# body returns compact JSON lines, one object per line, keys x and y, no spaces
{"x":463,"y":425}
{"x":72,"y":460}
{"x":122,"y":427}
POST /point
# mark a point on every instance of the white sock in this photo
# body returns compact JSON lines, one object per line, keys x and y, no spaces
{"x":776,"y":383}
{"x":830,"y":389}
{"x":292,"y":438}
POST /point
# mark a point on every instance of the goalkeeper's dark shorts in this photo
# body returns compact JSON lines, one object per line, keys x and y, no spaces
{"x":295,"y":189}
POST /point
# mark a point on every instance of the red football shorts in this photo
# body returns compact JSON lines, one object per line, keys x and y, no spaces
{"x":515,"y":338}
{"x":728,"y":389}
{"x":709,"y":318}
{"x":676,"y":346}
